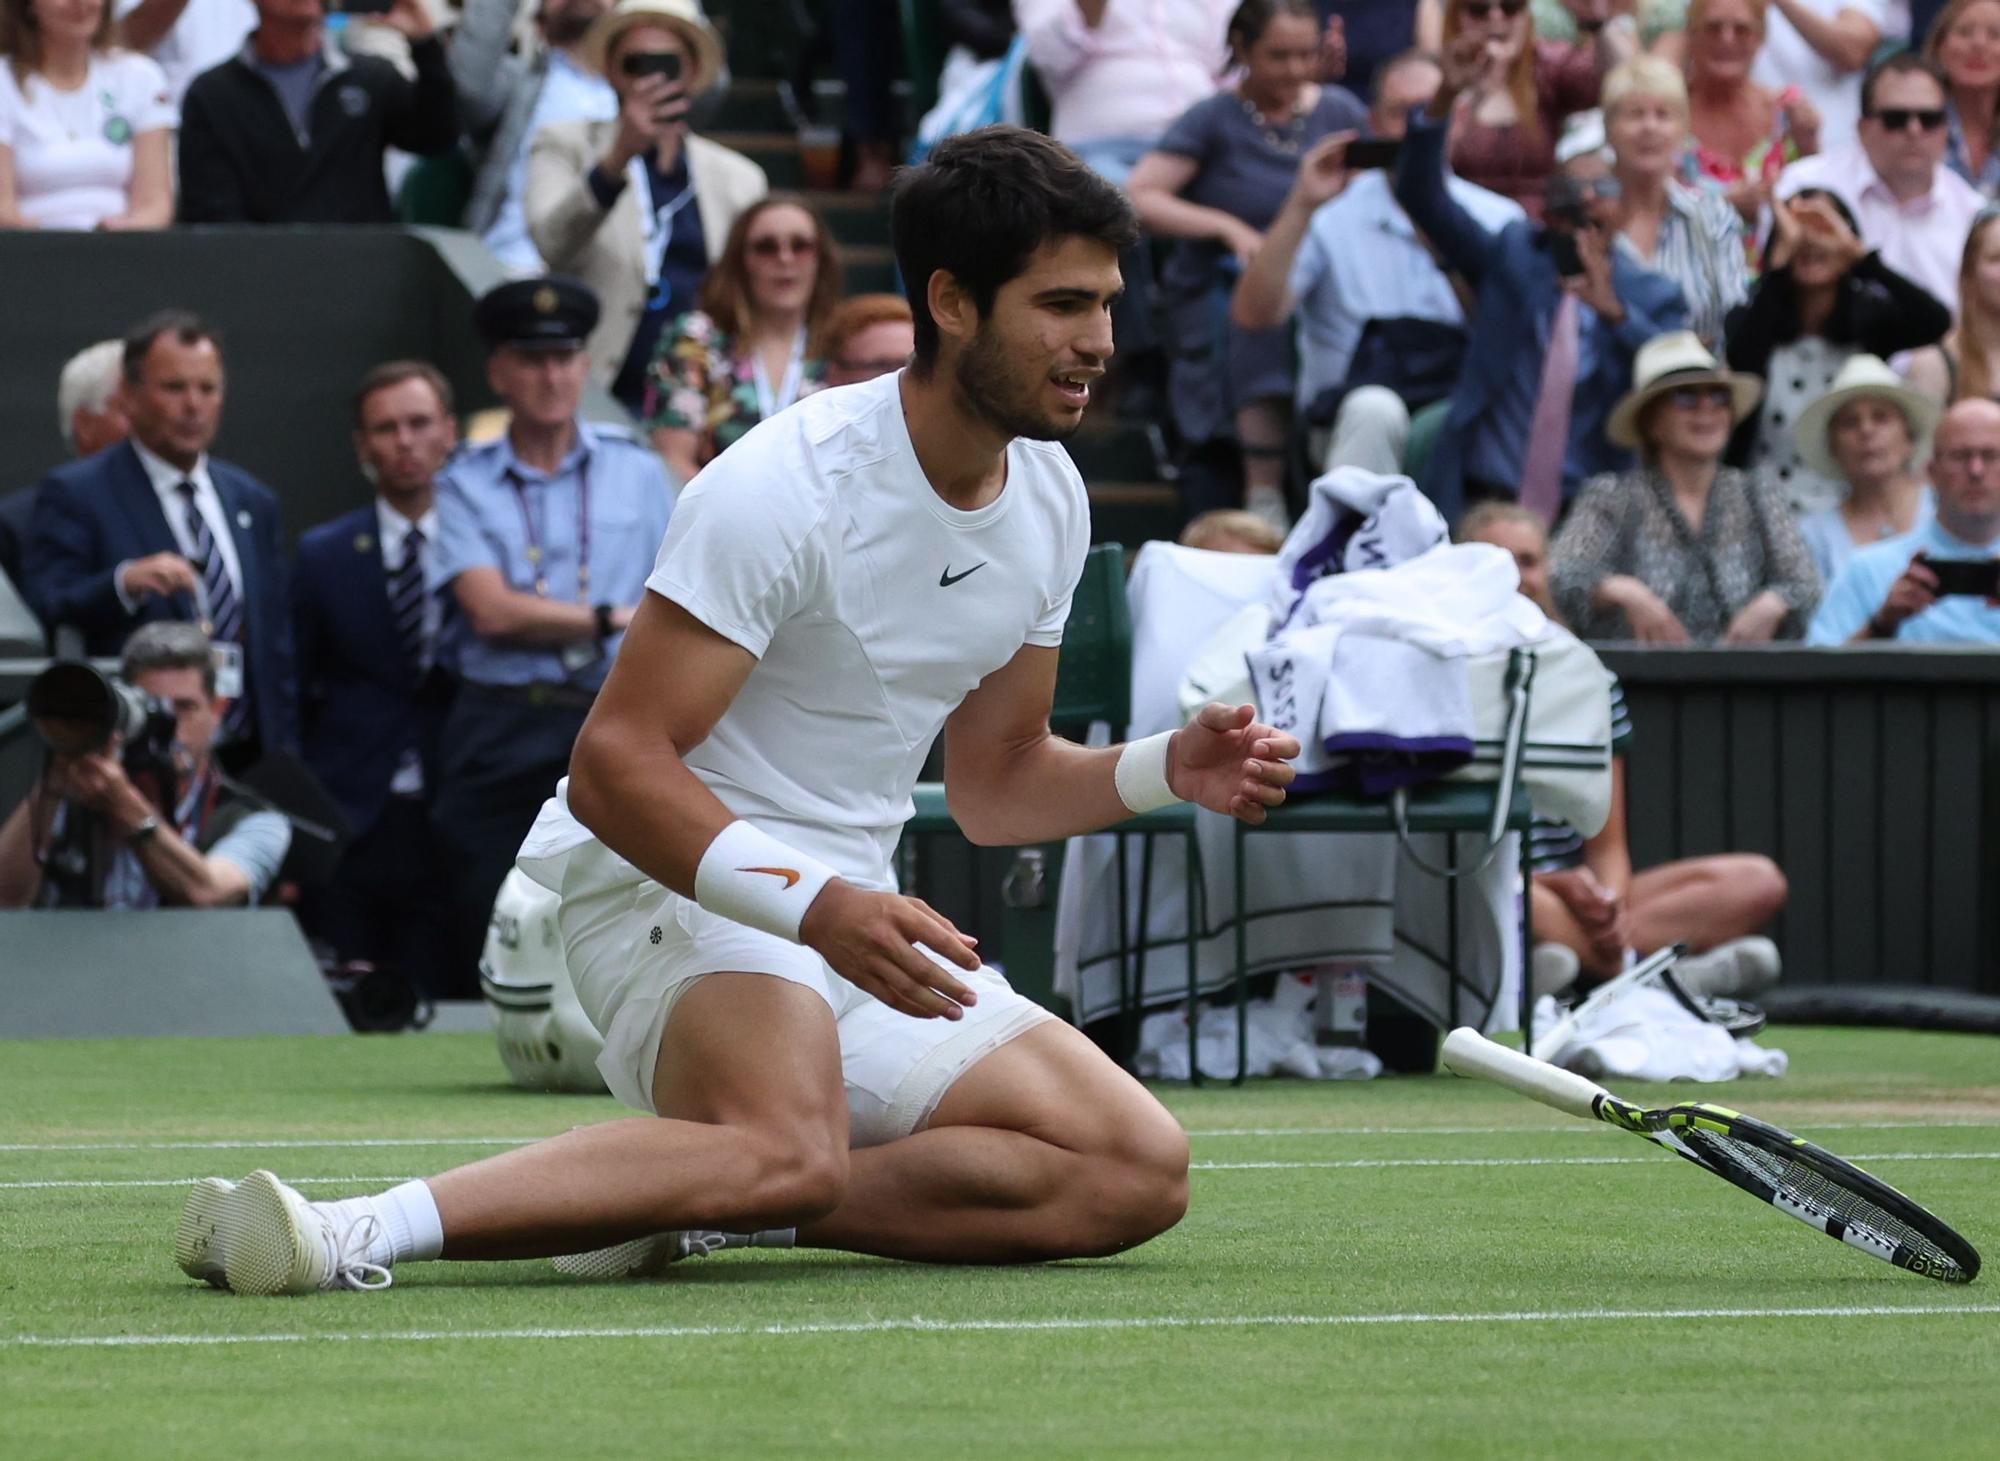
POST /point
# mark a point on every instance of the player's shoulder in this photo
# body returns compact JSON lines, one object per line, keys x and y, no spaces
{"x":799,"y":459}
{"x":1051,"y":474}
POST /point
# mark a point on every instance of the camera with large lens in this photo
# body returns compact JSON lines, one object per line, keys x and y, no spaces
{"x":77,"y":710}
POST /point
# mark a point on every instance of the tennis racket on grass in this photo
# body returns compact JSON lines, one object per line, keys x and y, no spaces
{"x":1821,"y":1190}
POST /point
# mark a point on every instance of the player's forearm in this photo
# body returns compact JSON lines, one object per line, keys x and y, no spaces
{"x":637,"y":796}
{"x":1041,"y":791}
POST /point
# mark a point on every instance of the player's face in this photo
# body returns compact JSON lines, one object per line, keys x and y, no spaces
{"x":1029,"y":366}
{"x":405,"y":436}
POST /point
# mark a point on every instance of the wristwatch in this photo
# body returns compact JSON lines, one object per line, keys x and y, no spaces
{"x":604,"y":627}
{"x":143,"y":833}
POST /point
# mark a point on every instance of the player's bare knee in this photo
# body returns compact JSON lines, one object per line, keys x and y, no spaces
{"x":795,"y":1179}
{"x":1143,"y":1186}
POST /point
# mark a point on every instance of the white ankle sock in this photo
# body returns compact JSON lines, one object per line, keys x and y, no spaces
{"x":406,"y":1219}
{"x":409,"y":1216}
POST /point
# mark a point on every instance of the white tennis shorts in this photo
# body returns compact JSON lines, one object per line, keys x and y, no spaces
{"x":634,"y":948}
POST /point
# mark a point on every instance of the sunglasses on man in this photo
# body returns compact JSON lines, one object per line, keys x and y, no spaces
{"x":1898,"y":119}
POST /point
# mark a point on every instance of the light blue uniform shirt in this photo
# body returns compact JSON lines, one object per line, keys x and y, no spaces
{"x":1865,"y":583}
{"x":492,"y":510}
{"x":1361,"y":260}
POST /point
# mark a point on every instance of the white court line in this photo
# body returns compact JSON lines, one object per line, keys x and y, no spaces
{"x":1354,"y":1163}
{"x":1571,"y":1128}
{"x":916,"y":1325}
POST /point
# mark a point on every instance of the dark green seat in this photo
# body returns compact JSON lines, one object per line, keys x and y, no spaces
{"x":436,"y":191}
{"x":1426,"y":426}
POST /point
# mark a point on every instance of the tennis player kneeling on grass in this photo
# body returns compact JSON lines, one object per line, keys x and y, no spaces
{"x":824,"y":1061}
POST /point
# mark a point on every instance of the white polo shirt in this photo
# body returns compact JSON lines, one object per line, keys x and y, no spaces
{"x":1786,"y":60}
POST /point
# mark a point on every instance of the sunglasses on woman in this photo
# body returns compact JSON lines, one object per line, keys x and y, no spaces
{"x":1689,"y":398}
{"x":1480,"y":9}
{"x":771,"y":245}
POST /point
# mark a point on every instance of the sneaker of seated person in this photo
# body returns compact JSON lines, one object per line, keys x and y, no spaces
{"x":644,"y":1257}
{"x":269,"y":1239}
{"x":1739,"y":969}
{"x":1553,"y":969}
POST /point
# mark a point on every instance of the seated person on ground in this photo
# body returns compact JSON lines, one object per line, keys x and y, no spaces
{"x":105,"y":830}
{"x":1901,"y":590}
{"x":1590,"y":907}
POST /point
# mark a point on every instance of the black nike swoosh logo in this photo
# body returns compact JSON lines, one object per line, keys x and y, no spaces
{"x":948,"y":578}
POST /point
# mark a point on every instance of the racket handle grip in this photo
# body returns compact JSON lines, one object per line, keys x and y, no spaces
{"x":1469,"y":1053}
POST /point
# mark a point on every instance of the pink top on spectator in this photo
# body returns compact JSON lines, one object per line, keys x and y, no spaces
{"x":1922,"y":239}
{"x":1144,"y":63}
{"x":1514,"y":161}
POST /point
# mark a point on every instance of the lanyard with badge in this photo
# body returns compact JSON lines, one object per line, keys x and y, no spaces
{"x":769,"y":402}
{"x":656,"y":229}
{"x":579,"y":654}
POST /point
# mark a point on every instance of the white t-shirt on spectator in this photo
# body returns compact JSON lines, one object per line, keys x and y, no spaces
{"x":1787,"y":60}
{"x":208,"y":33}
{"x":873,"y":608}
{"x":73,"y":149}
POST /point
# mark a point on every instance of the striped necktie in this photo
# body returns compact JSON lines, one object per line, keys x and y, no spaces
{"x":406,"y":603}
{"x":225,"y":612}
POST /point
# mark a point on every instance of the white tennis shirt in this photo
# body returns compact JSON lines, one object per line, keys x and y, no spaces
{"x":873,"y":608}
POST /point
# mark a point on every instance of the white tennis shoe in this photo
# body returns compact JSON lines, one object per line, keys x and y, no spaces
{"x":270,"y":1240}
{"x":645,"y":1257}
{"x":195,"y":1247}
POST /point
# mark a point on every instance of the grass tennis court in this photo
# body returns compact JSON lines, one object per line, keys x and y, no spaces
{"x":1422,"y":1267}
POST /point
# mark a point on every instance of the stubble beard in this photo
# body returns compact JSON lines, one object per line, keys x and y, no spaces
{"x":989,"y":388}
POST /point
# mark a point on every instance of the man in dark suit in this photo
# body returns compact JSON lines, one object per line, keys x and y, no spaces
{"x":1561,"y":312}
{"x":90,"y":410}
{"x":371,"y":623}
{"x":155,"y":528}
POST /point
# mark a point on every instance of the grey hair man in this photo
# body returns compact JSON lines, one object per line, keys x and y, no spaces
{"x":90,"y":414}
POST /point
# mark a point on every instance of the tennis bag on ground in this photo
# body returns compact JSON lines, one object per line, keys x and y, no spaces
{"x":546,"y":1041}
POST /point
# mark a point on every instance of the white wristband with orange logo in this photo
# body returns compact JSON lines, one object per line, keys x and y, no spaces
{"x":1140,"y":774}
{"x":753,"y":878}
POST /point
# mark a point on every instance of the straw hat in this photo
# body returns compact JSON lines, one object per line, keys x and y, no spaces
{"x":1666,"y":363}
{"x":1862,"y":376}
{"x":682,"y":16}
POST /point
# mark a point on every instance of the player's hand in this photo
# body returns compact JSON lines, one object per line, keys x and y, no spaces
{"x":157,"y":574}
{"x":1227,"y":761}
{"x":871,"y":941}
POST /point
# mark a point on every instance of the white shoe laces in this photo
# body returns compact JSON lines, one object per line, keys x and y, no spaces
{"x":701,"y":1245}
{"x":347,"y":1256}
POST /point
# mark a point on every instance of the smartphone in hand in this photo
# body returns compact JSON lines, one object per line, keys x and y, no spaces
{"x":1966,"y":577}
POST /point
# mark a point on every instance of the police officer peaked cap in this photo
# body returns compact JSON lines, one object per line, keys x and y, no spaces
{"x":550,"y":312}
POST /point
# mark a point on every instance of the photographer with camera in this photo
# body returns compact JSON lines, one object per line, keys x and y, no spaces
{"x":1561,"y":313}
{"x":130,"y":810}
{"x":345,"y":112}
{"x":638,"y":207}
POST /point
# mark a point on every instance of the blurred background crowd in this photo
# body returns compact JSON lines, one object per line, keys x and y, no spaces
{"x":1709,"y":290}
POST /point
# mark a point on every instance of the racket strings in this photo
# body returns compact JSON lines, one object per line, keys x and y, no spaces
{"x":1810,"y":1193}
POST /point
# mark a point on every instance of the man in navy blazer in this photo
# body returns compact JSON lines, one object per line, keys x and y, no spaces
{"x":154,"y":528}
{"x":373,"y":627}
{"x":1514,"y":271}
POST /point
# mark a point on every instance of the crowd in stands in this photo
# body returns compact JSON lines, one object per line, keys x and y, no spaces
{"x":1708,"y":291}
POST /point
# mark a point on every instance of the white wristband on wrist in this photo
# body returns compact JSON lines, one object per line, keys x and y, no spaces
{"x":1141,"y":774}
{"x":753,"y":878}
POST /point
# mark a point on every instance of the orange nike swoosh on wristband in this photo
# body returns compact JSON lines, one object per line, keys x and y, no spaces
{"x":788,"y":874}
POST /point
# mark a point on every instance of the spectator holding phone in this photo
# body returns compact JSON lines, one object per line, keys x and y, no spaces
{"x":1940,"y":583}
{"x":238,"y":166}
{"x":1214,"y":183}
{"x":1870,"y":433}
{"x":638,"y":207}
{"x":1824,"y":296}
{"x":1561,"y":310}
{"x":84,"y":128}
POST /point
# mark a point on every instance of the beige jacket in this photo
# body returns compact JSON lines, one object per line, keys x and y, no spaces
{"x":606,"y":250}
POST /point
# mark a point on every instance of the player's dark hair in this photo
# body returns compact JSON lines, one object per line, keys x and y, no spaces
{"x":185,"y":327}
{"x":1903,"y":63}
{"x":980,"y":207}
